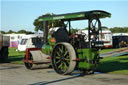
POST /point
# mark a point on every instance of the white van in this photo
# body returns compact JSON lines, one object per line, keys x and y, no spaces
{"x":106,"y":37}
{"x":30,"y":41}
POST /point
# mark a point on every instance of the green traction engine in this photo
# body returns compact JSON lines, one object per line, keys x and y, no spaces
{"x":68,"y":51}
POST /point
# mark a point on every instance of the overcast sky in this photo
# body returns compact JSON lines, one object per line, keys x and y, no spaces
{"x":20,"y":14}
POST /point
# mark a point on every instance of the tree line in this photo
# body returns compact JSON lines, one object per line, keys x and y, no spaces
{"x":17,"y":32}
{"x":39,"y":24}
{"x":113,"y":30}
{"x":119,"y":29}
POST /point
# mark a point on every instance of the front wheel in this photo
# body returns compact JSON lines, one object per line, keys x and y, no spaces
{"x":28,"y":65}
{"x":62,"y":58}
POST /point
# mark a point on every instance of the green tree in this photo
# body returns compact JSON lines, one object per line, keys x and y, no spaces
{"x":86,"y":28}
{"x":10,"y":31}
{"x":39,"y":25}
{"x":74,"y":30}
{"x":29,"y":32}
{"x":119,"y":29}
{"x":3,"y":32}
{"x":104,"y":28}
{"x":24,"y":32}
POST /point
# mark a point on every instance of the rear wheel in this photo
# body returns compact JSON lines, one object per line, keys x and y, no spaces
{"x":62,"y":58}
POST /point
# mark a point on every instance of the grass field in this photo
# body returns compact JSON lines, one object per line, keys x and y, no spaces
{"x":15,"y":56}
{"x":106,"y":50}
{"x":116,"y":65}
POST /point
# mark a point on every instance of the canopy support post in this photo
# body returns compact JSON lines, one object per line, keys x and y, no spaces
{"x":45,"y":34}
{"x":89,"y":34}
{"x":69,"y":27}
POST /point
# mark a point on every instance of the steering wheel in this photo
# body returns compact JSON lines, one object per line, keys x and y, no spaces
{"x":95,"y":25}
{"x":84,"y":35}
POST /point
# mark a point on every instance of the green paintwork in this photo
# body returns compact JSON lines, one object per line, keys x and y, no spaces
{"x":47,"y":49}
{"x":88,"y":54}
{"x":49,"y":40}
{"x":77,"y":16}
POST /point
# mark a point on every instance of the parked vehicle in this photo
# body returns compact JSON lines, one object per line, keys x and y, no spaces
{"x":120,"y":40}
{"x":14,"y":39}
{"x":4,"y":43}
{"x":30,"y":41}
{"x":66,"y":51}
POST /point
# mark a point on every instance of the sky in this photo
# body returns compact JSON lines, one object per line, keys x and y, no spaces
{"x":20,"y":14}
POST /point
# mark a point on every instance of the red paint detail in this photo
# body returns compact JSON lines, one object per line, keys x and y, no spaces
{"x":28,"y":61}
{"x":53,"y":40}
{"x":77,"y":59}
{"x":28,"y":51}
{"x":72,"y":35}
{"x":48,"y":57}
{"x":106,"y":41}
{"x":41,"y":62}
{"x":108,"y":46}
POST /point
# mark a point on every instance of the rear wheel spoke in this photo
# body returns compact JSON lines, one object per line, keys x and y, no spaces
{"x":60,"y":50}
{"x":60,"y":65}
{"x":58,"y":53}
{"x":66,"y":52}
{"x":58,"y":61}
{"x":57,"y":57}
{"x":65,"y":66}
{"x":67,"y":59}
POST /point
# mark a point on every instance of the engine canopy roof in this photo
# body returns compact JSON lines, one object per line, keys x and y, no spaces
{"x":94,"y":14}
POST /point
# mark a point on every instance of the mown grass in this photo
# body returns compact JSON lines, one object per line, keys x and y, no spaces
{"x":116,"y":65}
{"x":15,"y":56}
{"x":106,"y":50}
